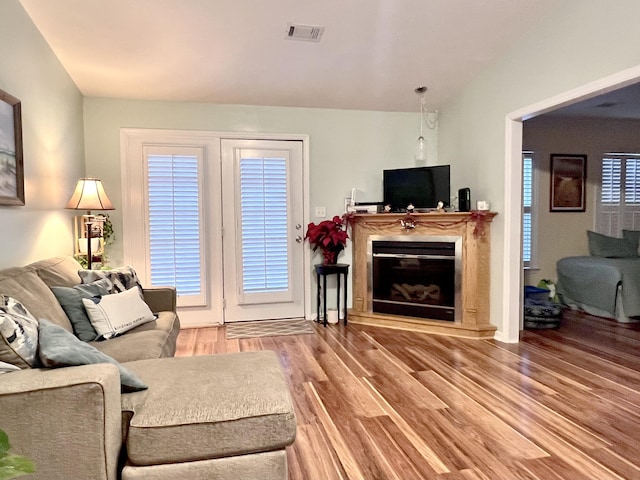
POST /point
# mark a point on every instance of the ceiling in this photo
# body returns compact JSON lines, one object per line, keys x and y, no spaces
{"x":372,"y":56}
{"x":621,"y":103}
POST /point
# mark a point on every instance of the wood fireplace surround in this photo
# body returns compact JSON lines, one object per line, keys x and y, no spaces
{"x":474,"y":230}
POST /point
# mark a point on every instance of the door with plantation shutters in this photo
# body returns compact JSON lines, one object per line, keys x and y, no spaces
{"x":175,"y":221}
{"x":262,"y":198}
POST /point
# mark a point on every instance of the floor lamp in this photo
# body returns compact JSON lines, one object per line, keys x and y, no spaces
{"x":89,"y":195}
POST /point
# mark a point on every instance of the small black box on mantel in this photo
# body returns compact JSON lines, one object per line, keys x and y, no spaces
{"x":464,"y":200}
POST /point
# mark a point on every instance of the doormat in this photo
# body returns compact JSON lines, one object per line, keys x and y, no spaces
{"x":269,"y":328}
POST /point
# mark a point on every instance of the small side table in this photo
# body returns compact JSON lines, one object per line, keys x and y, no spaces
{"x":323,"y":271}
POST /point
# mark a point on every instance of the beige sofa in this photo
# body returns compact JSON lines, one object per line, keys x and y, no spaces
{"x":208,"y":417}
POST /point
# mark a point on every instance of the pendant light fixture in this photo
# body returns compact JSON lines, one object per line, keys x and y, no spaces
{"x":431,"y":120}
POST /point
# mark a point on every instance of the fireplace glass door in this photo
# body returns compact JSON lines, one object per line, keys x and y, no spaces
{"x":415,"y":278}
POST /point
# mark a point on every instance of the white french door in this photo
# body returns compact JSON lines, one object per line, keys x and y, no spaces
{"x":173,"y":189}
{"x":262,"y":198}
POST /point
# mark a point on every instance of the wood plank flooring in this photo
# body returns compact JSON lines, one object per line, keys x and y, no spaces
{"x":375,"y":403}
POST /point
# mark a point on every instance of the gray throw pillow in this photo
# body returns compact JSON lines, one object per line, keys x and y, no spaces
{"x":70,"y":298}
{"x":633,"y":237}
{"x":60,"y":348}
{"x":610,"y":247}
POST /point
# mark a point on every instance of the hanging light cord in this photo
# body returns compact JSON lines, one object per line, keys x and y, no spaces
{"x":430,"y":118}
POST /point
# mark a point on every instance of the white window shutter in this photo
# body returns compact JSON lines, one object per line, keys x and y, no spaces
{"x":528,"y":192}
{"x":175,"y":222}
{"x":611,"y":181}
{"x":618,"y":205}
{"x":632,"y":181}
{"x":264,"y":225}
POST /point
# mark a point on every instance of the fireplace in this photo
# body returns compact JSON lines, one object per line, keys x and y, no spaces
{"x":415,"y":276}
{"x":471,"y":234}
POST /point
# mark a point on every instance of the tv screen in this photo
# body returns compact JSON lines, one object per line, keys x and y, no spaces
{"x":423,"y":187}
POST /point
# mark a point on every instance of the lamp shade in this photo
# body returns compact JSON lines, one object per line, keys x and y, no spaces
{"x":89,"y":195}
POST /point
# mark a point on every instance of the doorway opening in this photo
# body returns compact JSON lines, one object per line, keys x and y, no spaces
{"x":513,"y":278}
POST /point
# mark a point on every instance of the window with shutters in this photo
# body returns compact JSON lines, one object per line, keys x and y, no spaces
{"x":618,"y":204}
{"x":175,"y":226}
{"x":528,"y":209}
{"x":264,"y":213}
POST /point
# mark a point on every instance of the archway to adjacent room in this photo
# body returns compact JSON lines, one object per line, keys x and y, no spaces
{"x":512,"y":256}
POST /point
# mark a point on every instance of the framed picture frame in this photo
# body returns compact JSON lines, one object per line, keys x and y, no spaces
{"x":568,"y":183}
{"x":11,"y":160}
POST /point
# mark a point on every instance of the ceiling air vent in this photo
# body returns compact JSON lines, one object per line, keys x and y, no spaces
{"x":607,"y":104}
{"x":306,"y":33}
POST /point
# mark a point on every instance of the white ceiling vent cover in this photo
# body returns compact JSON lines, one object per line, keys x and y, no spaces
{"x":306,"y":33}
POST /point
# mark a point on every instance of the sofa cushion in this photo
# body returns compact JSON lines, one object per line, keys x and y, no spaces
{"x":203,"y":407}
{"x":262,"y":466}
{"x":151,"y":340}
{"x":58,"y":271}
{"x":70,"y":298}
{"x":59,"y":348}
{"x":18,"y":334}
{"x":112,"y":315}
{"x":24,"y":284}
{"x":633,"y":237}
{"x":610,"y":247}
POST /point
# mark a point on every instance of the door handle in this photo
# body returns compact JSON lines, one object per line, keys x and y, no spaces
{"x":299,"y":239}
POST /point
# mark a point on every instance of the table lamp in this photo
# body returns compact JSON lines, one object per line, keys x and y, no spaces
{"x":89,"y":195}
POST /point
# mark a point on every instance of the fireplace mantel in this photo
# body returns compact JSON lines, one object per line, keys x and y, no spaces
{"x":474,"y":229}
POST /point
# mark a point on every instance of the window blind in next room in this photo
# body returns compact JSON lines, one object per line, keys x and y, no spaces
{"x":618,"y":205}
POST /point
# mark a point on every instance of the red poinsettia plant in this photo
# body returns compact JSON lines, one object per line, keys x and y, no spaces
{"x":330,"y":236}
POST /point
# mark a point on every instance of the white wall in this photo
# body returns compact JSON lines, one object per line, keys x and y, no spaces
{"x":52,"y":138}
{"x":584,"y":40}
{"x":563,"y":234}
{"x":347,"y":148}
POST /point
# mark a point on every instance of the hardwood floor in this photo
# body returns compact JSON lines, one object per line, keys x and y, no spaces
{"x":376,"y":403}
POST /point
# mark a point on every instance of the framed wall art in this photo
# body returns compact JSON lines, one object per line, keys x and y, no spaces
{"x":11,"y":161}
{"x":568,"y":183}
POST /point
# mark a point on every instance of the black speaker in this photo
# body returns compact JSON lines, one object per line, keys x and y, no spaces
{"x":464,"y":200}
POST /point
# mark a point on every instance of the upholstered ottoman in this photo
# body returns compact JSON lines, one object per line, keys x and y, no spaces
{"x":209,"y":417}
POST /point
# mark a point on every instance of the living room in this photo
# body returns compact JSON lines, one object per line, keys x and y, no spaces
{"x":67,"y":135}
{"x":564,"y":55}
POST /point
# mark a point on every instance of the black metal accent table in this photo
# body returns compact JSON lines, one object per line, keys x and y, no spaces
{"x":323,"y":271}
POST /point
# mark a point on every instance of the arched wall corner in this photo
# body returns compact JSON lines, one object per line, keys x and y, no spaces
{"x":512,"y":254}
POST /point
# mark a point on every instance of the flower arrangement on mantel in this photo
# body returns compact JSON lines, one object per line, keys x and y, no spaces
{"x":329,"y":236}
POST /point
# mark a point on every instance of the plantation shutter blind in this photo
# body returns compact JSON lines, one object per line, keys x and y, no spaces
{"x":527,"y":202}
{"x":631,"y":212}
{"x":618,"y":205}
{"x":631,"y":181}
{"x":174,"y":192}
{"x":264,"y":226}
{"x":611,"y":181}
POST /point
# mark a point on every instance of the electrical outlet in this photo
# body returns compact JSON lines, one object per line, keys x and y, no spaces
{"x":321,"y":212}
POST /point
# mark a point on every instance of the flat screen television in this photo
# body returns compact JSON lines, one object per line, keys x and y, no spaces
{"x":423,"y":187}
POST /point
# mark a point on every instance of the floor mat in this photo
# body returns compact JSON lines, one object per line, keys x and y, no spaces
{"x":269,"y":328}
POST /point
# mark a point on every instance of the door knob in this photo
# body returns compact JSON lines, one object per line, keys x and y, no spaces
{"x":299,"y":239}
